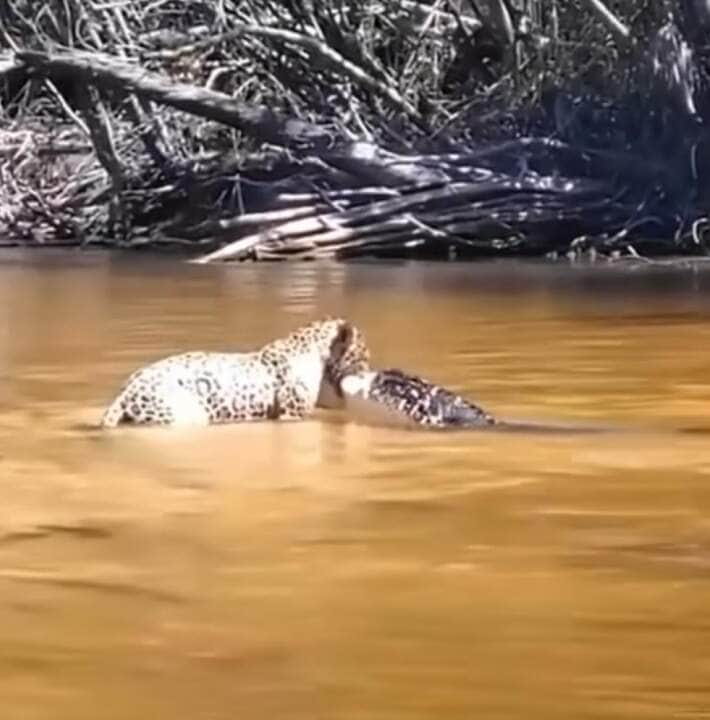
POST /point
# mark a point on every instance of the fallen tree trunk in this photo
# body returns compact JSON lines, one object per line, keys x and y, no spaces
{"x":114,"y":73}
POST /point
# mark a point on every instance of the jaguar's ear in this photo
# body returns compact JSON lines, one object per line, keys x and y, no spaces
{"x":346,"y":333}
{"x":342,"y":341}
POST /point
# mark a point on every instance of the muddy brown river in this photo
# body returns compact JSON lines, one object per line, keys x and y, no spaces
{"x":334,"y":570}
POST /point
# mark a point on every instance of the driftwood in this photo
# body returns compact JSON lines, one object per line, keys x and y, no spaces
{"x":453,"y":205}
{"x":150,"y":140}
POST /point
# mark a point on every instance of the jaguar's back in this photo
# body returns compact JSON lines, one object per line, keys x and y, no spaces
{"x":282,"y":380}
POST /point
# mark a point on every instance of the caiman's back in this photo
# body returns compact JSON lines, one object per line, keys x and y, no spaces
{"x":395,"y":396}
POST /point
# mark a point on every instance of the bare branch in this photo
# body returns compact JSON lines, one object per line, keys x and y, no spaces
{"x":619,"y":29}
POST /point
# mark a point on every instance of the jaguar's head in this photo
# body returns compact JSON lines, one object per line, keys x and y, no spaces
{"x":343,"y":350}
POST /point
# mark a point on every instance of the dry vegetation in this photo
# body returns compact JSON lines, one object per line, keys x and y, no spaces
{"x":264,"y":129}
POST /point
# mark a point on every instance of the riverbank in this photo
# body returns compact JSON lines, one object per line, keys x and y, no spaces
{"x":334,"y":134}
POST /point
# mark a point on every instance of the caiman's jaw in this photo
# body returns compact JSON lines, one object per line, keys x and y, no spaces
{"x":337,"y":388}
{"x":357,"y":385}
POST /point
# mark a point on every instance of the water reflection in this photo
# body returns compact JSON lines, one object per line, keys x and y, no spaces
{"x":331,"y":569}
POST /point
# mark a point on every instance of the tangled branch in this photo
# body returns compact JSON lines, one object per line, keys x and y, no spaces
{"x":254,"y":129}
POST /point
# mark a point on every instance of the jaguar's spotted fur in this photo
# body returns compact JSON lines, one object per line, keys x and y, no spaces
{"x":280,"y":381}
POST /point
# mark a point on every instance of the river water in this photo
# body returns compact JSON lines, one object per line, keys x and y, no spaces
{"x":331,"y":569}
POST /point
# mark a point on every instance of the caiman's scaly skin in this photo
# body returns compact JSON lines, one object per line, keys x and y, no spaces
{"x":280,"y":381}
{"x":395,"y":395}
